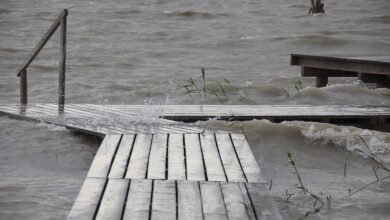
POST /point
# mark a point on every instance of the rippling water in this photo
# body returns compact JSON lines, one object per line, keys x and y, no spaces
{"x":137,"y":52}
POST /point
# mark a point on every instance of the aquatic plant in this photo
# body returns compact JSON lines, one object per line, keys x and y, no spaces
{"x":318,"y":201}
{"x":223,"y":90}
{"x":378,"y":165}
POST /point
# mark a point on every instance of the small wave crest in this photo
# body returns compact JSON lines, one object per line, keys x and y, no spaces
{"x":366,"y":143}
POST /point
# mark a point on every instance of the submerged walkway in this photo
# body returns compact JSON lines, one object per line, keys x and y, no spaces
{"x":122,"y":119}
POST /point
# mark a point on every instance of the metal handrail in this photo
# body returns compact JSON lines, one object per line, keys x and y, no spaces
{"x":22,"y":71}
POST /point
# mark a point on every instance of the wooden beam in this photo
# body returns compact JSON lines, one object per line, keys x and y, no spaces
{"x":61,"y":87}
{"x":310,"y":71}
{"x":23,"y":87}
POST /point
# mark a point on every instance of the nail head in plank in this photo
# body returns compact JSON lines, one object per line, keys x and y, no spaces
{"x":194,"y":158}
{"x":88,"y":199}
{"x":229,"y":158}
{"x":157,"y":159}
{"x":139,"y":158}
{"x":176,"y":162}
{"x":104,"y":156}
{"x":263,"y":203}
{"x":234,"y":203}
{"x":138,"y":200}
{"x":212,"y":159}
{"x":212,"y":201}
{"x":247,"y":159}
{"x":189,"y":200}
{"x":164,"y":200}
{"x":113,"y":200}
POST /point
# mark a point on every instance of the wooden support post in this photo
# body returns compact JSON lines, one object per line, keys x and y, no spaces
{"x":23,"y":87}
{"x":61,"y":89}
{"x":321,"y":81}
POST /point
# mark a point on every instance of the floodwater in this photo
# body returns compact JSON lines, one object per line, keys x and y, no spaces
{"x":141,"y":52}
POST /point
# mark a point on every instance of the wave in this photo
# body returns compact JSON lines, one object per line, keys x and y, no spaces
{"x":192,"y":14}
{"x":366,"y":143}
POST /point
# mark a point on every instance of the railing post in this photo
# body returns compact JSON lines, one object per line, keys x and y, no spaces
{"x":23,"y":87}
{"x":61,"y":88}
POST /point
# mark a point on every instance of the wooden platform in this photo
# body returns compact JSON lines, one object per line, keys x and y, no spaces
{"x":100,"y":119}
{"x":369,"y":69}
{"x":174,"y":176}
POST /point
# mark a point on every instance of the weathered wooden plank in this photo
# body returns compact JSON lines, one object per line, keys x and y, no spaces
{"x":189,"y":200}
{"x":212,"y":201}
{"x":194,"y":158}
{"x":234,"y":202}
{"x":140,"y":156}
{"x":176,"y":160}
{"x":247,"y":202}
{"x":214,"y":169}
{"x":119,"y":166}
{"x":164,"y":200}
{"x":158,"y":157}
{"x":88,"y":199}
{"x":113,"y":200}
{"x":247,"y":159}
{"x":263,"y":203}
{"x":138,"y":200}
{"x":229,"y":158}
{"x":102,"y":162}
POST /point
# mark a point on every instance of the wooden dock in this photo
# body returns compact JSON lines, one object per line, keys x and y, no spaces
{"x":369,"y":69}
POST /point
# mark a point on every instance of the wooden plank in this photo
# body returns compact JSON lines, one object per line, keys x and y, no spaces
{"x":119,"y":166}
{"x":189,"y":200}
{"x":140,"y":156}
{"x":113,"y":200}
{"x":88,"y":199}
{"x":229,"y":158}
{"x":247,"y":201}
{"x":176,"y":160}
{"x":263,"y":203}
{"x":194,"y":158}
{"x":214,"y":169}
{"x":247,"y":159}
{"x":138,"y":200}
{"x":102,"y":162}
{"x":164,"y":200}
{"x":158,"y":157}
{"x":212,"y":201}
{"x":234,"y":203}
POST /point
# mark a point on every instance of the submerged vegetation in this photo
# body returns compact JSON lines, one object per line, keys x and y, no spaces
{"x":224,"y":91}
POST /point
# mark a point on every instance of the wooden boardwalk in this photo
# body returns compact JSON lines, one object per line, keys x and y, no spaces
{"x":99,"y":119}
{"x":174,"y":176}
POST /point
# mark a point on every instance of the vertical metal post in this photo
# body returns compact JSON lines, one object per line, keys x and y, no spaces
{"x":23,"y":87}
{"x":61,"y":88}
